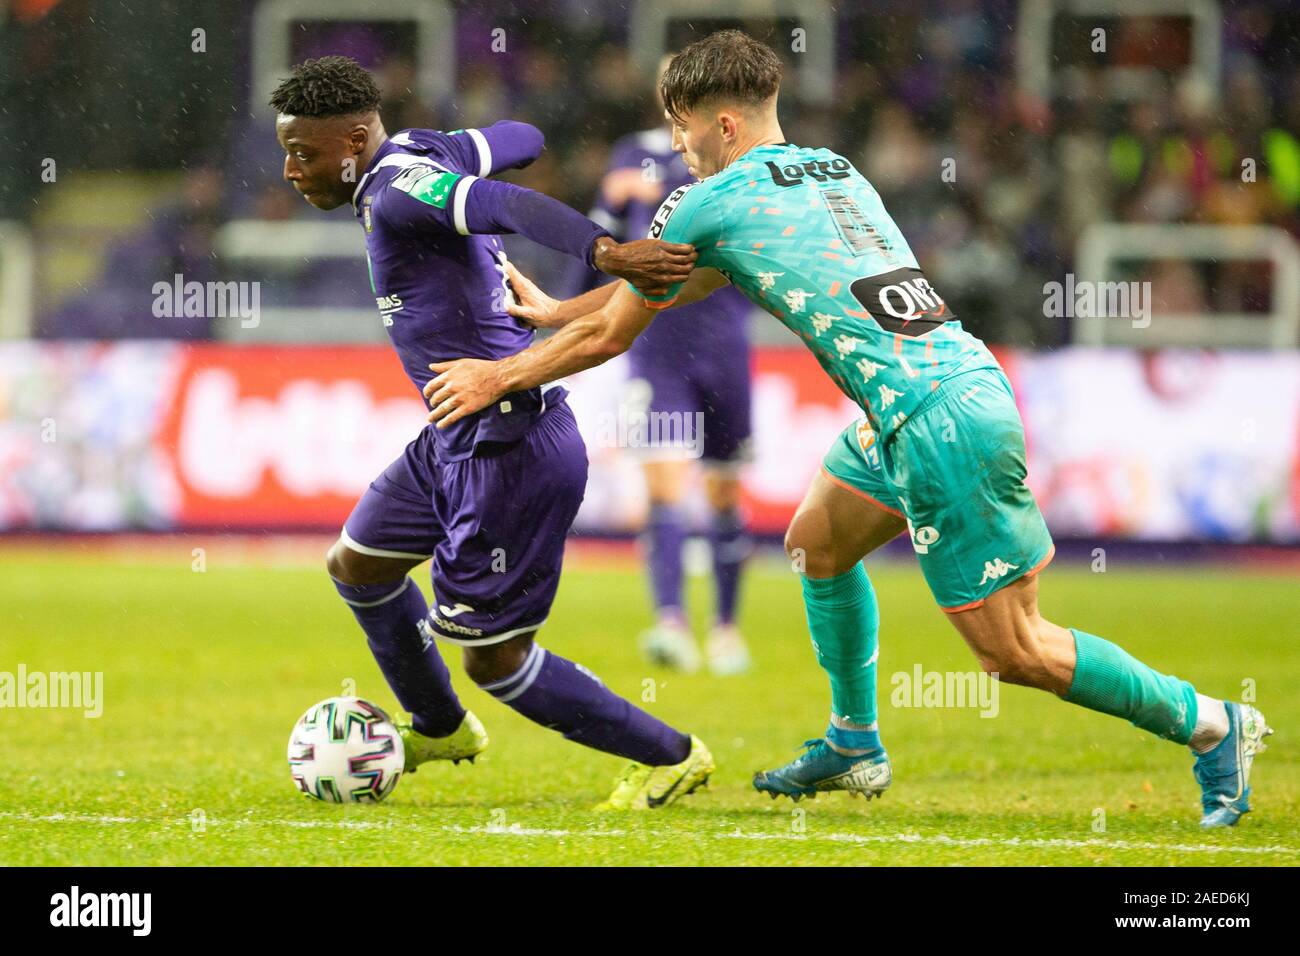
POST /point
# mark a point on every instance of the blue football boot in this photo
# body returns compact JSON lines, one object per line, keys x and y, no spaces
{"x":1224,"y":772}
{"x":821,"y":768}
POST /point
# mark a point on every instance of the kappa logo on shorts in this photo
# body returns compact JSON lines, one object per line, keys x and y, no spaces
{"x":923,"y":538}
{"x":997,"y":568}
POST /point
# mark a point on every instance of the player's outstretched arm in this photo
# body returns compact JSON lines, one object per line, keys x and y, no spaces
{"x":465,"y":386}
{"x":543,"y":312}
{"x":486,"y":206}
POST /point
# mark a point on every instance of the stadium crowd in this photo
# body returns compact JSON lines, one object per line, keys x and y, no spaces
{"x":991,"y":184}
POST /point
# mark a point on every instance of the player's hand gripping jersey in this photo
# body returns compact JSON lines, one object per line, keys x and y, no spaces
{"x":804,"y":236}
{"x":440,"y":286}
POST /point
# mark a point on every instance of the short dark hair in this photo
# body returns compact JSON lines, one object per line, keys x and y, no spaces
{"x":329,"y":86}
{"x":728,"y":65}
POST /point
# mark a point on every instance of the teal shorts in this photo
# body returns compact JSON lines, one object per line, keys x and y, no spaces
{"x":955,"y":471}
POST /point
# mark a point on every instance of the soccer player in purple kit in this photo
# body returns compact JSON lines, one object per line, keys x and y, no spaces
{"x":693,"y":365}
{"x":490,"y":501}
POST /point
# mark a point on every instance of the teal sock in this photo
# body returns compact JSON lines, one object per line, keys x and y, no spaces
{"x":1108,"y":679}
{"x":844,"y":622}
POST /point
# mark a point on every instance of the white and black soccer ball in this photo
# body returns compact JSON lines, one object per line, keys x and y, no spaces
{"x":346,"y":750}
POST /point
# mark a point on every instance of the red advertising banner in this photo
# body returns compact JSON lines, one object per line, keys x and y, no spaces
{"x":265,"y":436}
{"x":1168,"y":446}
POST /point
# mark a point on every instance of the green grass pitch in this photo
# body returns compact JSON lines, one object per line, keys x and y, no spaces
{"x":205,"y":673}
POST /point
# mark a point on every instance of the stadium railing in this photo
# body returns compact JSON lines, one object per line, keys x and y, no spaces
{"x":1103,"y":246}
{"x":296,"y":246}
{"x":274,"y":22}
{"x":1035,"y":36}
{"x":815,"y":66}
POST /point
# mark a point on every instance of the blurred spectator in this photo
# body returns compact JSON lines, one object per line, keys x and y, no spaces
{"x":991,"y":185}
{"x":177,"y":241}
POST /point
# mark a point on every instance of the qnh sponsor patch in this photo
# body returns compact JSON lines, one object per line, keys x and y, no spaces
{"x":902,"y":301}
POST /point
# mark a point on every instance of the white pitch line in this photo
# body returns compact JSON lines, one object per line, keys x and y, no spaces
{"x":517,"y":830}
{"x":941,"y":839}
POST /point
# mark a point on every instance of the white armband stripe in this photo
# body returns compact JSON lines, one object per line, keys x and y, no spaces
{"x":484,"y":152}
{"x":458,"y":203}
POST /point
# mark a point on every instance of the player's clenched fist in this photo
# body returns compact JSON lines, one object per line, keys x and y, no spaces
{"x":649,"y":264}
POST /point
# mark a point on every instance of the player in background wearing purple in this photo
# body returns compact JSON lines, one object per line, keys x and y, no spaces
{"x":690,"y":368}
{"x":490,"y":501}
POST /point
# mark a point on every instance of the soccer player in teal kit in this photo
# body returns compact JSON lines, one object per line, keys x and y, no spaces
{"x":940,"y":452}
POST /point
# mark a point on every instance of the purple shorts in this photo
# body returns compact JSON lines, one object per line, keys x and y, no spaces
{"x":710,"y":389}
{"x":494,"y":525}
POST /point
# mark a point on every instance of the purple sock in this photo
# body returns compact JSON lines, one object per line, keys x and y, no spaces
{"x":567,"y":697}
{"x":390,"y":614}
{"x":730,"y":548}
{"x":666,"y":533}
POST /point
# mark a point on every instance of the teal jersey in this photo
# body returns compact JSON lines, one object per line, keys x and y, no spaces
{"x":805,"y":237}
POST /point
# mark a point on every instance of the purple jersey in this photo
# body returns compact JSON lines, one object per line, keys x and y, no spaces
{"x":710,"y":331}
{"x":439,"y":279}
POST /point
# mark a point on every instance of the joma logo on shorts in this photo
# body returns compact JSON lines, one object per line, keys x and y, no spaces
{"x":997,"y":568}
{"x":818,"y":169}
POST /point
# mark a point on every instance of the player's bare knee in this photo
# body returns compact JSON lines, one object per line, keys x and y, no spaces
{"x":338,"y":565}
{"x":352,"y":567}
{"x":796,"y":549}
{"x":1007,"y":664}
{"x":479,"y":666}
{"x":494,"y":662}
{"x":811,"y":554}
{"x":798,"y":537}
{"x":1017,"y":663}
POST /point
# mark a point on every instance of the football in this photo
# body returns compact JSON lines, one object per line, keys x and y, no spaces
{"x":346,"y":750}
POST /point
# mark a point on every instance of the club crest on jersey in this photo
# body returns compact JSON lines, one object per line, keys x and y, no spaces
{"x":367,"y":219}
{"x":792,"y":174}
{"x":667,"y":209}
